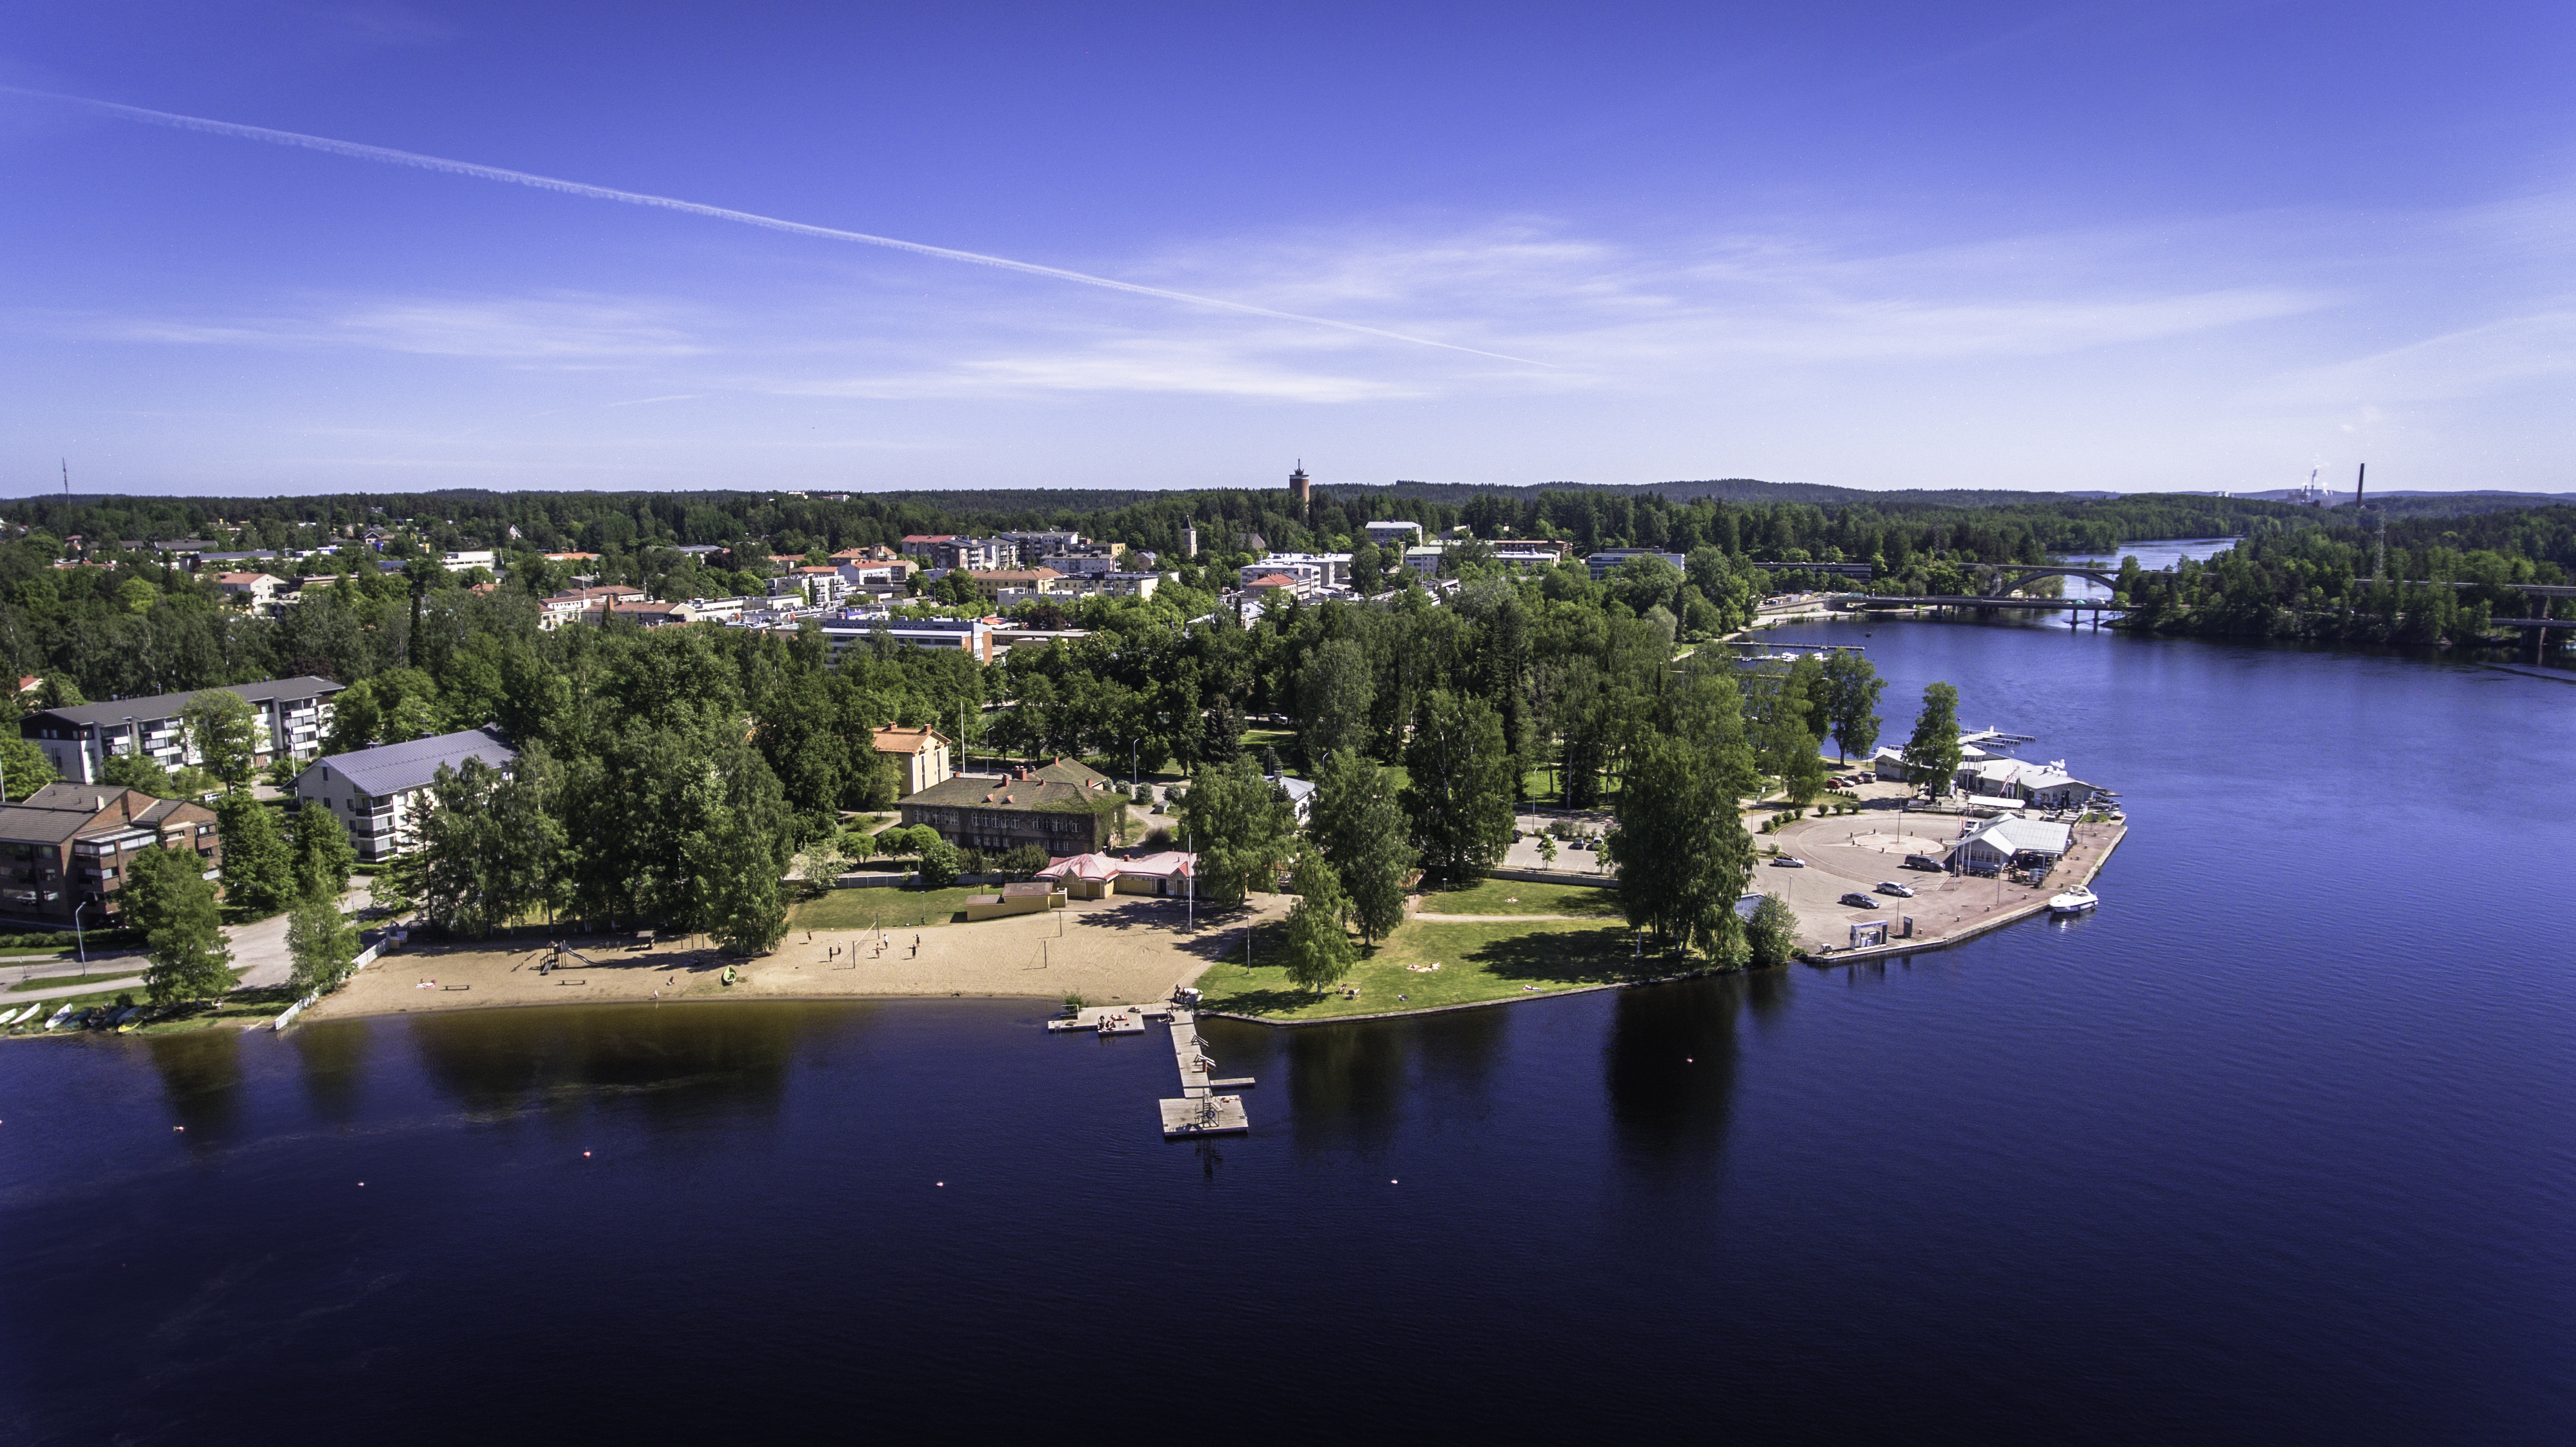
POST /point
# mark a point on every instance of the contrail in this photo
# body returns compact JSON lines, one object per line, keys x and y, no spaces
{"x":720,"y":213}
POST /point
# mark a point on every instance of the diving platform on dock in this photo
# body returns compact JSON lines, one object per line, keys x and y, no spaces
{"x":1205,"y":1115}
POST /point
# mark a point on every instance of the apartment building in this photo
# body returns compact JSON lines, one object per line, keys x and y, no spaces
{"x":65,"y":850}
{"x":378,"y":792}
{"x":288,"y":718}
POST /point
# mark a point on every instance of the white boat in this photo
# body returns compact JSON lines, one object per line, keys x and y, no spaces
{"x":2078,"y":900}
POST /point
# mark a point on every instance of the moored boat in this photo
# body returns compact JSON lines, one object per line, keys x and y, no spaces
{"x":2078,"y":900}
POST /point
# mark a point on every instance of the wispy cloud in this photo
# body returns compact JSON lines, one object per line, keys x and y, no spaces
{"x":2508,"y":355}
{"x":556,"y":330}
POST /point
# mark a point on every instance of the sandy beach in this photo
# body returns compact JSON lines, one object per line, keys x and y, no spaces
{"x":1116,"y":950}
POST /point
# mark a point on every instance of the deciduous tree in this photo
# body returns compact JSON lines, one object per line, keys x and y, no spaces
{"x":321,"y":942}
{"x":1360,"y":828}
{"x":167,"y":896}
{"x":1683,"y":856}
{"x":224,"y":733}
{"x":1335,"y":692}
{"x":1852,"y":689}
{"x":1932,"y":754}
{"x":1318,"y":937}
{"x":1460,"y":792}
{"x":1238,"y":827}
{"x":259,"y":873}
{"x":324,"y":858}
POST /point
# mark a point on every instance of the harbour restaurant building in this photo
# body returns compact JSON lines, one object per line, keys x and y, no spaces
{"x":1997,"y":844}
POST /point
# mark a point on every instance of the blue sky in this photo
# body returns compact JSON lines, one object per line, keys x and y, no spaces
{"x":2131,"y":247}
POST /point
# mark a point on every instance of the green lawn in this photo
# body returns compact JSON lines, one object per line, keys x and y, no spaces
{"x":1477,"y":962}
{"x":1284,"y":740}
{"x":241,"y":1007}
{"x":124,"y":968}
{"x":897,"y":908}
{"x":1508,"y":896}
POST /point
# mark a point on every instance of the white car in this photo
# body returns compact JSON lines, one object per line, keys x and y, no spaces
{"x":1788,"y":861}
{"x":1890,"y":886}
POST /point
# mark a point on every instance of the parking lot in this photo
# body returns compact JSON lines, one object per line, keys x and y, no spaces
{"x":1853,"y":853}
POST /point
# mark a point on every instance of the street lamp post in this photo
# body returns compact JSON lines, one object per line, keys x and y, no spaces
{"x":79,"y":941}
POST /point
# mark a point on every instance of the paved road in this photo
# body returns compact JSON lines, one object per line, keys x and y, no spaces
{"x":261,"y":946}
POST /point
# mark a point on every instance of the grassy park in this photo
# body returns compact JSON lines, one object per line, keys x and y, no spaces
{"x":1510,"y":896}
{"x":846,"y":909}
{"x":1493,"y":960}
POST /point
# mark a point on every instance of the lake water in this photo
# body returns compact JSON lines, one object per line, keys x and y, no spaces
{"x":2154,"y":557}
{"x":2275,"y":1148}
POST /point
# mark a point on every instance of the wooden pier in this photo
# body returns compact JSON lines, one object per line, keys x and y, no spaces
{"x":1200,"y":1109}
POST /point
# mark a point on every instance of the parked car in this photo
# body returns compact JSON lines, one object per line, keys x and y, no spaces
{"x":1901,"y":891}
{"x":1923,"y":861}
{"x":1788,"y":861}
{"x":1858,"y":900}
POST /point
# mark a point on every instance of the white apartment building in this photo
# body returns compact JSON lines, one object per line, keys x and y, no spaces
{"x":288,"y":718}
{"x":377,"y":792}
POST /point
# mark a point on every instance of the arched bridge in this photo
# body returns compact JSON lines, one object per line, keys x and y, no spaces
{"x":2006,"y":578}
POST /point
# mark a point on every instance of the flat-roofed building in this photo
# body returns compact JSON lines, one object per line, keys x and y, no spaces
{"x":377,"y":792}
{"x":1603,"y":561}
{"x":972,"y":636}
{"x":288,"y":718}
{"x":1397,"y":533}
{"x":67,"y":849}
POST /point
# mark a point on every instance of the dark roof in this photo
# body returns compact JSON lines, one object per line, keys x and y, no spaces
{"x":1070,"y":771}
{"x":968,"y":791}
{"x":58,"y":812}
{"x":392,"y":768}
{"x":169,"y":705}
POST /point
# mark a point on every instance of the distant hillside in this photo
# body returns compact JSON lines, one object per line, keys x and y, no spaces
{"x":1733,"y":489}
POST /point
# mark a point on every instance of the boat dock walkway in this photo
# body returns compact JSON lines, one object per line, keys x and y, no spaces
{"x":1200,"y":1109}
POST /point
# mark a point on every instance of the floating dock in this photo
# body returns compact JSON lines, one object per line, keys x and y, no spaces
{"x":1199,"y":1110}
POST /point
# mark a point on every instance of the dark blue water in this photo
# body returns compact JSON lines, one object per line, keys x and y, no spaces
{"x":2277,"y":1147}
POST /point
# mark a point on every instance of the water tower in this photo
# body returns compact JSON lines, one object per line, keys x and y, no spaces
{"x":1300,"y":491}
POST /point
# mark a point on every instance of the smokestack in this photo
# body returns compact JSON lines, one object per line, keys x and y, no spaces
{"x":2358,"y":479}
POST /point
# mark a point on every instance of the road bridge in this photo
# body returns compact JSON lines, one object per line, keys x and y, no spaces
{"x":2010,"y":576}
